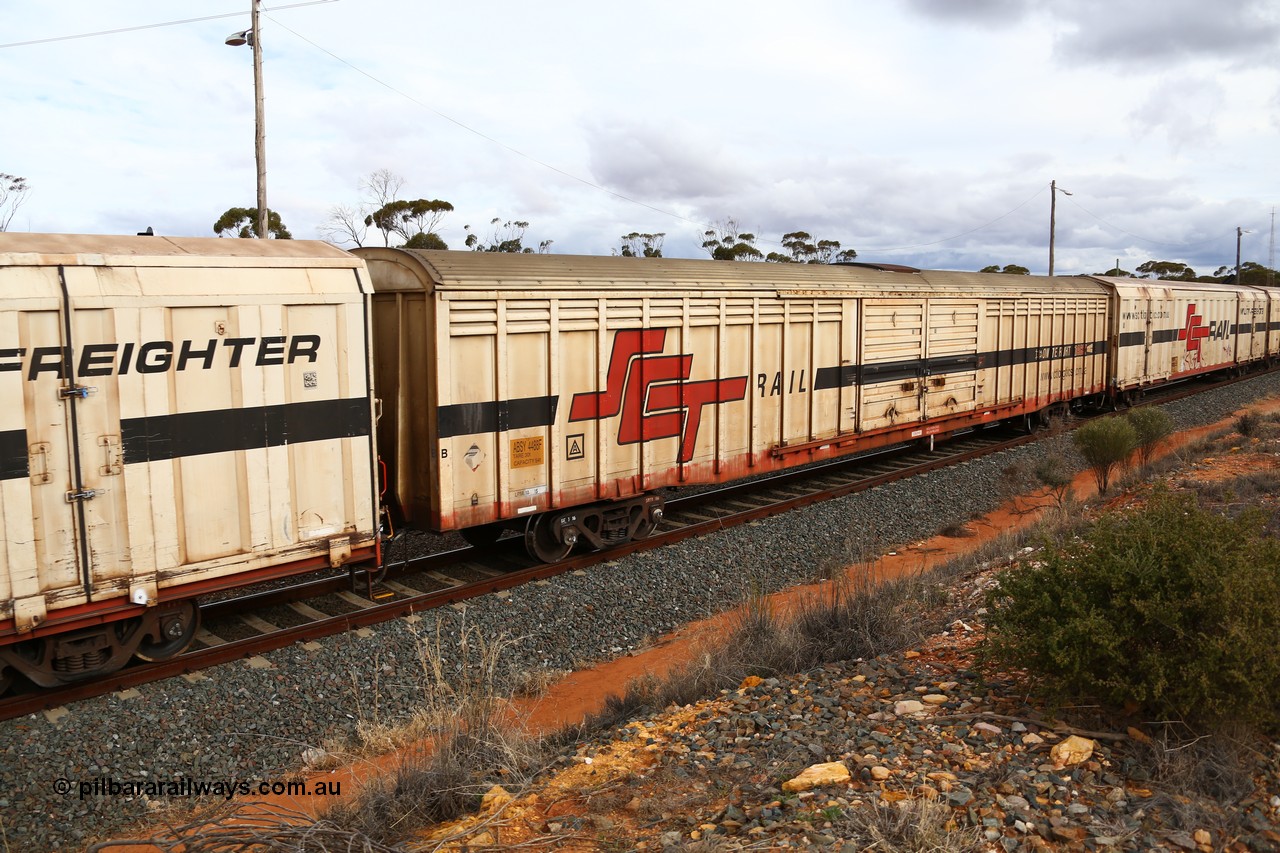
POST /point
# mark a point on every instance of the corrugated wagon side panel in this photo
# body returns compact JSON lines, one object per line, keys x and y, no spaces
{"x":404,"y":348}
{"x":188,"y":413}
{"x":54,"y":575}
{"x":467,"y":383}
{"x":1273,"y":322}
{"x":1251,"y":342}
{"x":953,"y":336}
{"x":38,"y":548}
{"x":250,"y":448}
{"x":893,"y":352}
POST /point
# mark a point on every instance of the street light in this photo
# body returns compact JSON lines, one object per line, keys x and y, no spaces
{"x":250,"y":37}
{"x":1240,"y":232}
{"x":1053,"y":215}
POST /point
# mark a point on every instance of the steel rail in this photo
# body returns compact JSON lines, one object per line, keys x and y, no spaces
{"x":854,"y":474}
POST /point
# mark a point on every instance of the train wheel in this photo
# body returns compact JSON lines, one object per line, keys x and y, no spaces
{"x":541,"y":542}
{"x":176,"y":626}
{"x":482,"y":536}
{"x":646,"y":525}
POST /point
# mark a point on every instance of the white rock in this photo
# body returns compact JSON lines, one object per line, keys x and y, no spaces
{"x":313,"y":755}
{"x":1074,"y":750}
{"x":831,"y":773}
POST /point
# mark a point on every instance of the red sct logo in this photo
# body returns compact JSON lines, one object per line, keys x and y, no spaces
{"x":651,"y":393}
{"x":1194,"y":331}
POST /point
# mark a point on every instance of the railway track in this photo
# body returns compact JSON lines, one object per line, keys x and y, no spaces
{"x":257,"y":622}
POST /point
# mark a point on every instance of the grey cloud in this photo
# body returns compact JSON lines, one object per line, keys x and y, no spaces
{"x":1246,"y":31}
{"x":660,"y":164}
{"x":1184,"y":109}
{"x":1133,"y":32}
{"x":984,"y":12}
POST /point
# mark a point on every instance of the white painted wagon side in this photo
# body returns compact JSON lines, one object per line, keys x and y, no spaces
{"x":1167,"y":330}
{"x":1251,"y":326}
{"x":514,"y":385}
{"x":1273,"y":322}
{"x":195,"y":414}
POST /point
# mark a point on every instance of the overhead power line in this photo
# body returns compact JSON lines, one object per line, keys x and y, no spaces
{"x":544,"y":164}
{"x":1139,"y":237}
{"x":482,"y":134}
{"x":699,"y":225}
{"x":153,"y":26}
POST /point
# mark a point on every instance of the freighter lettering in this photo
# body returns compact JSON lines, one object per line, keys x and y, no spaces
{"x":159,"y":356}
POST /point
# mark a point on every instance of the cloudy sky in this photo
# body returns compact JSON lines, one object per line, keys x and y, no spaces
{"x":922,"y":132}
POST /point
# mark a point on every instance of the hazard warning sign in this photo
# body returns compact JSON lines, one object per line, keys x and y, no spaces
{"x":576,"y":446}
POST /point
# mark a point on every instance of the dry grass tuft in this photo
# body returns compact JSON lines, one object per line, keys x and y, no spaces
{"x":907,"y":826}
{"x":473,"y":745}
{"x":265,"y":829}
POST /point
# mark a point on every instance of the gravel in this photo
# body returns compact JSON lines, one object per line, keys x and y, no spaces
{"x":249,"y":723}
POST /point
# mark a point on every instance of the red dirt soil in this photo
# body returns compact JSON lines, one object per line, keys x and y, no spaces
{"x":583,"y":693}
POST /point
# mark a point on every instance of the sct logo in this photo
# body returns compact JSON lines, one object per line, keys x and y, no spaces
{"x":1195,"y":330}
{"x":650,"y":394}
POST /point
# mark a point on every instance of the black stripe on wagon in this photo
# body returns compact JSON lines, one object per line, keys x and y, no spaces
{"x":896,"y":371}
{"x":496,"y":416}
{"x":503,"y":415}
{"x":13,"y":454}
{"x":1132,"y":339}
{"x":151,"y":439}
{"x":835,"y":377}
{"x":1159,"y":336}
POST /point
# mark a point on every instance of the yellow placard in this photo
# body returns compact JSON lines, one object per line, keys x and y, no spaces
{"x":526,"y":452}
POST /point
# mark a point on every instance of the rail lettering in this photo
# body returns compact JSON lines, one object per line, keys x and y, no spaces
{"x":793,"y":385}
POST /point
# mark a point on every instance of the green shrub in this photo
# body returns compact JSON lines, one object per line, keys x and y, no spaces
{"x":1248,"y":424}
{"x":1104,"y":444}
{"x":1172,"y":607}
{"x":1052,"y":472}
{"x":1151,"y":426}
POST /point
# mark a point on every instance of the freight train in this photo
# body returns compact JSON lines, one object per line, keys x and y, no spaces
{"x":185,"y":416}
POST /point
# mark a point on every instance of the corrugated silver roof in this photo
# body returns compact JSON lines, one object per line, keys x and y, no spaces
{"x":502,"y":271}
{"x":118,"y":250}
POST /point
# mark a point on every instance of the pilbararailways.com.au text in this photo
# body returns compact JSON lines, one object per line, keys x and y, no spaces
{"x":186,"y":786}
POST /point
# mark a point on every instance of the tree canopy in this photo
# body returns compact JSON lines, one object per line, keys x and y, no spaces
{"x":13,"y":192}
{"x":1166,"y":271}
{"x":414,"y":220}
{"x":243,"y":222}
{"x":637,"y":245}
{"x":1007,"y":269}
{"x":425,"y":240}
{"x":507,"y":237}
{"x":804,"y":249}
{"x":1117,"y":272}
{"x":726,"y":241}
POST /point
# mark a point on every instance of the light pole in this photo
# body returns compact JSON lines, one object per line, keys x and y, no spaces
{"x":1053,"y":216}
{"x":1240,"y":232}
{"x":250,"y":37}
